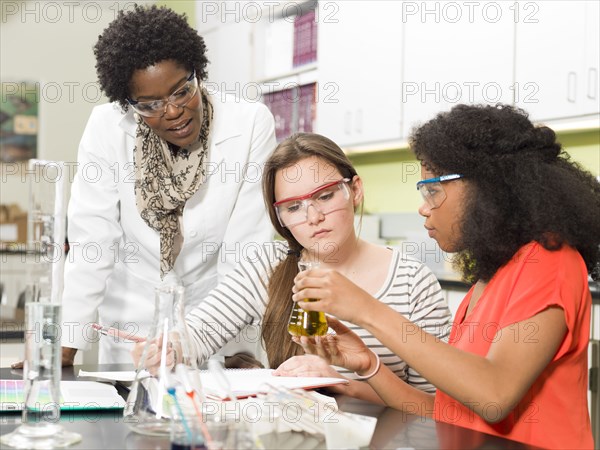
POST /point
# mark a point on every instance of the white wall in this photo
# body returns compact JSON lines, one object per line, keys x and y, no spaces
{"x":51,"y":43}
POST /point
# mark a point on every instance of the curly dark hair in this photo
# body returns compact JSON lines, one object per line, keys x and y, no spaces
{"x":525,"y":188}
{"x":140,"y":38}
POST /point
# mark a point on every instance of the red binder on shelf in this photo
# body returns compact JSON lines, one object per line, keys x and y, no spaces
{"x":305,"y":39}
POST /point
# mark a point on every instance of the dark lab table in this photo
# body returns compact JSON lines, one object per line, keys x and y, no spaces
{"x":395,"y":429}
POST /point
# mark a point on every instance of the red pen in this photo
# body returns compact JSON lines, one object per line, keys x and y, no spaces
{"x":114,"y":332}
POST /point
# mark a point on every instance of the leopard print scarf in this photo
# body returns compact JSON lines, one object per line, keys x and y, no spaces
{"x":166,"y":179}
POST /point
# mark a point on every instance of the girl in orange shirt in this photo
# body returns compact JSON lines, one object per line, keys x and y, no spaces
{"x":524,"y":224}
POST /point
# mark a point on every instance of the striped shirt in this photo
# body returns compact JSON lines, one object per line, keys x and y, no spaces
{"x":410,"y":288}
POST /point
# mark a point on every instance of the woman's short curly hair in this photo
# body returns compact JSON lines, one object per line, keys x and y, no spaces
{"x":523,"y":186}
{"x":140,"y":38}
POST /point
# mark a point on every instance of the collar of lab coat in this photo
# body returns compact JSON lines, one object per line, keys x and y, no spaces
{"x":221,"y":130}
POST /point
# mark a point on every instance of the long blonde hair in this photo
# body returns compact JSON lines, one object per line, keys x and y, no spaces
{"x":297,"y":147}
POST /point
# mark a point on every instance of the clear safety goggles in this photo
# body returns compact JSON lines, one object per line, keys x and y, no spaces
{"x":432,"y":190}
{"x":180,"y":98}
{"x":324,"y":199}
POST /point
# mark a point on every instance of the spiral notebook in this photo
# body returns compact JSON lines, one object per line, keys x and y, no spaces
{"x":75,"y":395}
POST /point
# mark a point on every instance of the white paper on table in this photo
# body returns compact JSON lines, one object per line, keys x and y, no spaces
{"x":349,"y":430}
{"x":116,"y":375}
{"x":250,"y":382}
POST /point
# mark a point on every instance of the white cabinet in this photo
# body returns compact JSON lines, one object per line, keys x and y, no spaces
{"x":228,"y":31}
{"x":384,"y":67}
{"x":591,"y":71}
{"x":449,"y":61}
{"x":229,"y":52}
{"x":359,"y":59}
{"x":273,"y":43}
{"x":556,"y":54}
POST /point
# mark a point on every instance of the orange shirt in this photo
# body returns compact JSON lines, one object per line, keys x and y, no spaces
{"x":553,"y":413}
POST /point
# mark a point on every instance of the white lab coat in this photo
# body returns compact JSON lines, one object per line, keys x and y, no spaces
{"x":113,"y":265}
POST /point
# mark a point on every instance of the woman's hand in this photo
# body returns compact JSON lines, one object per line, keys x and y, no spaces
{"x":153,"y":355}
{"x":306,"y":366}
{"x":68,"y":358}
{"x":343,"y":349}
{"x":337,"y":295}
{"x":310,"y":366}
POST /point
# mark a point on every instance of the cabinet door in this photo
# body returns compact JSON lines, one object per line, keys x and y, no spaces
{"x":359,"y":62}
{"x":591,"y":74}
{"x":456,"y":56}
{"x":229,"y":52}
{"x":549,"y":56}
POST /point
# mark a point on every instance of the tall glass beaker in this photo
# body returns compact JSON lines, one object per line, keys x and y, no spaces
{"x":46,"y":226}
{"x":42,"y":366}
{"x":40,"y":427}
{"x":148,"y":409}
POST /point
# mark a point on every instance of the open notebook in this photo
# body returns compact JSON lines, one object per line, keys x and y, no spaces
{"x":249,"y":382}
{"x":244,"y":382}
{"x":75,"y":395}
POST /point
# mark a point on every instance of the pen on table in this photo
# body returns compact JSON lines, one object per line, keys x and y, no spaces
{"x":115,"y":332}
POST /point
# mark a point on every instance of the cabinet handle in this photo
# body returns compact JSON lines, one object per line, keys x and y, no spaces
{"x":571,"y":87}
{"x":348,"y":122}
{"x":358,"y":121}
{"x":592,"y":83}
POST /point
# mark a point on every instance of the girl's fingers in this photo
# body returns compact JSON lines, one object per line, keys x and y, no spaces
{"x":331,"y":345}
{"x":303,"y":294}
{"x":336,"y":325}
{"x":307,"y":344}
{"x":321,"y":350}
{"x":170,"y":358}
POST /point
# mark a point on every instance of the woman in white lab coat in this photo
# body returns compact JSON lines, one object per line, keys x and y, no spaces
{"x":168,"y":182}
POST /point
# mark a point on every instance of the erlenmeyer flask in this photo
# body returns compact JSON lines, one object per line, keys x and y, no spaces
{"x":148,"y":409}
{"x":307,"y":323}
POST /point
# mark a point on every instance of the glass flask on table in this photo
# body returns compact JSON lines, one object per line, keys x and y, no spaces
{"x":149,"y":403}
{"x":307,"y":323}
